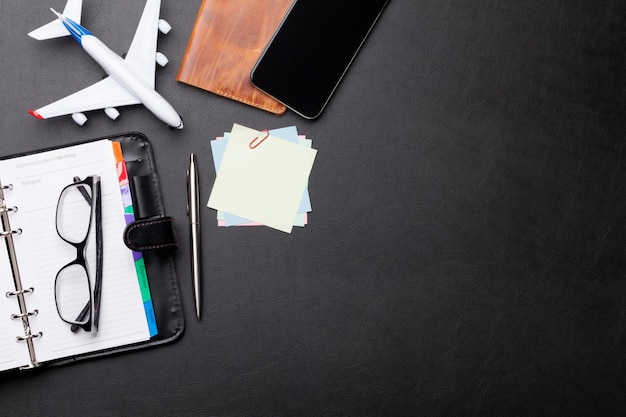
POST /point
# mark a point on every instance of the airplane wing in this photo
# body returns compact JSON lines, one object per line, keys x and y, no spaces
{"x":55,"y":29}
{"x":103,"y":94}
{"x":141,"y":55}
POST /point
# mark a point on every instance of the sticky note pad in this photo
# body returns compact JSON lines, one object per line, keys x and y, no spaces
{"x":262,"y":178}
{"x":290,"y":133}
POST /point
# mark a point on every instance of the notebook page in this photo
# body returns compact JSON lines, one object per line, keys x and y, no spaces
{"x":38,"y":180}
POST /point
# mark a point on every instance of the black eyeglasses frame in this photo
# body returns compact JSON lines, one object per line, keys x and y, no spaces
{"x":89,"y":317}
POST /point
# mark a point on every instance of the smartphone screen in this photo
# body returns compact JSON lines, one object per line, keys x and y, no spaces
{"x":312,"y":49}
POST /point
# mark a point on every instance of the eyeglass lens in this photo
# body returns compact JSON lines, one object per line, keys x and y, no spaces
{"x":74,"y":213}
{"x":73,"y":293}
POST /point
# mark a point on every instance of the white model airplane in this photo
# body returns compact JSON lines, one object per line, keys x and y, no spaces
{"x":130,"y":80}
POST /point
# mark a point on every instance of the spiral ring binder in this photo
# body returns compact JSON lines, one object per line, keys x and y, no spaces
{"x":27,"y":314}
{"x":24,"y":291}
{"x":11,"y":232}
{"x":8,"y":233}
{"x":28,"y":337}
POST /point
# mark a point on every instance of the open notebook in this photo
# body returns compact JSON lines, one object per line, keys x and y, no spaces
{"x":31,"y":330}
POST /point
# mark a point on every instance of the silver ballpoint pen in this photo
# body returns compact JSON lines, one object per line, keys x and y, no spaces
{"x":193,"y":211}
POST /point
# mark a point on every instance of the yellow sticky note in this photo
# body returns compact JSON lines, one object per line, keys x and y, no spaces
{"x":262,"y":180}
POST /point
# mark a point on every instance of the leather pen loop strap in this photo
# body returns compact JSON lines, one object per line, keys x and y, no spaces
{"x":151,"y":234}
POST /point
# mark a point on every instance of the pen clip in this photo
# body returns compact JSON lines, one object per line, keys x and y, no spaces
{"x":188,"y":194}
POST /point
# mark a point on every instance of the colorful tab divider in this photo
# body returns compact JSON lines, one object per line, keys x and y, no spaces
{"x":129,"y":216}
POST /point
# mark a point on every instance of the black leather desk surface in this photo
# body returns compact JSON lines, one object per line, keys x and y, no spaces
{"x":466,"y":251}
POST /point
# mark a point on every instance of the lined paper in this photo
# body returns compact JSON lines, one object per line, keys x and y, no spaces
{"x":38,"y":180}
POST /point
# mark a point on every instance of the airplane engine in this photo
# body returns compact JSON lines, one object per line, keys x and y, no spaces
{"x":164,"y":27}
{"x":79,"y":118}
{"x":161,"y":59}
{"x":112,"y":112}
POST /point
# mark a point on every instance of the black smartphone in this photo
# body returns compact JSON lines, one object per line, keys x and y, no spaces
{"x":311,"y":50}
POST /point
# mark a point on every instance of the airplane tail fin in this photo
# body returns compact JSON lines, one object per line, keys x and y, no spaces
{"x":56,"y":29}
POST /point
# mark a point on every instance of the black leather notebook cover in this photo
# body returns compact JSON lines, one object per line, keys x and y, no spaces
{"x":155,"y":227}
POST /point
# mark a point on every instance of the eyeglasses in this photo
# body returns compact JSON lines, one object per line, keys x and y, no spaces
{"x":79,"y":211}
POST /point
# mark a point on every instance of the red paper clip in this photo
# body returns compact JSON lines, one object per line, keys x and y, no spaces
{"x":253,"y":143}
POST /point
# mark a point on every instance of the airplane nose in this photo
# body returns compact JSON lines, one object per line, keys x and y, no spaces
{"x":178,"y":127}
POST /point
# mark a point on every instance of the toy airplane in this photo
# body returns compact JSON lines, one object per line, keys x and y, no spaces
{"x":130,"y":80}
